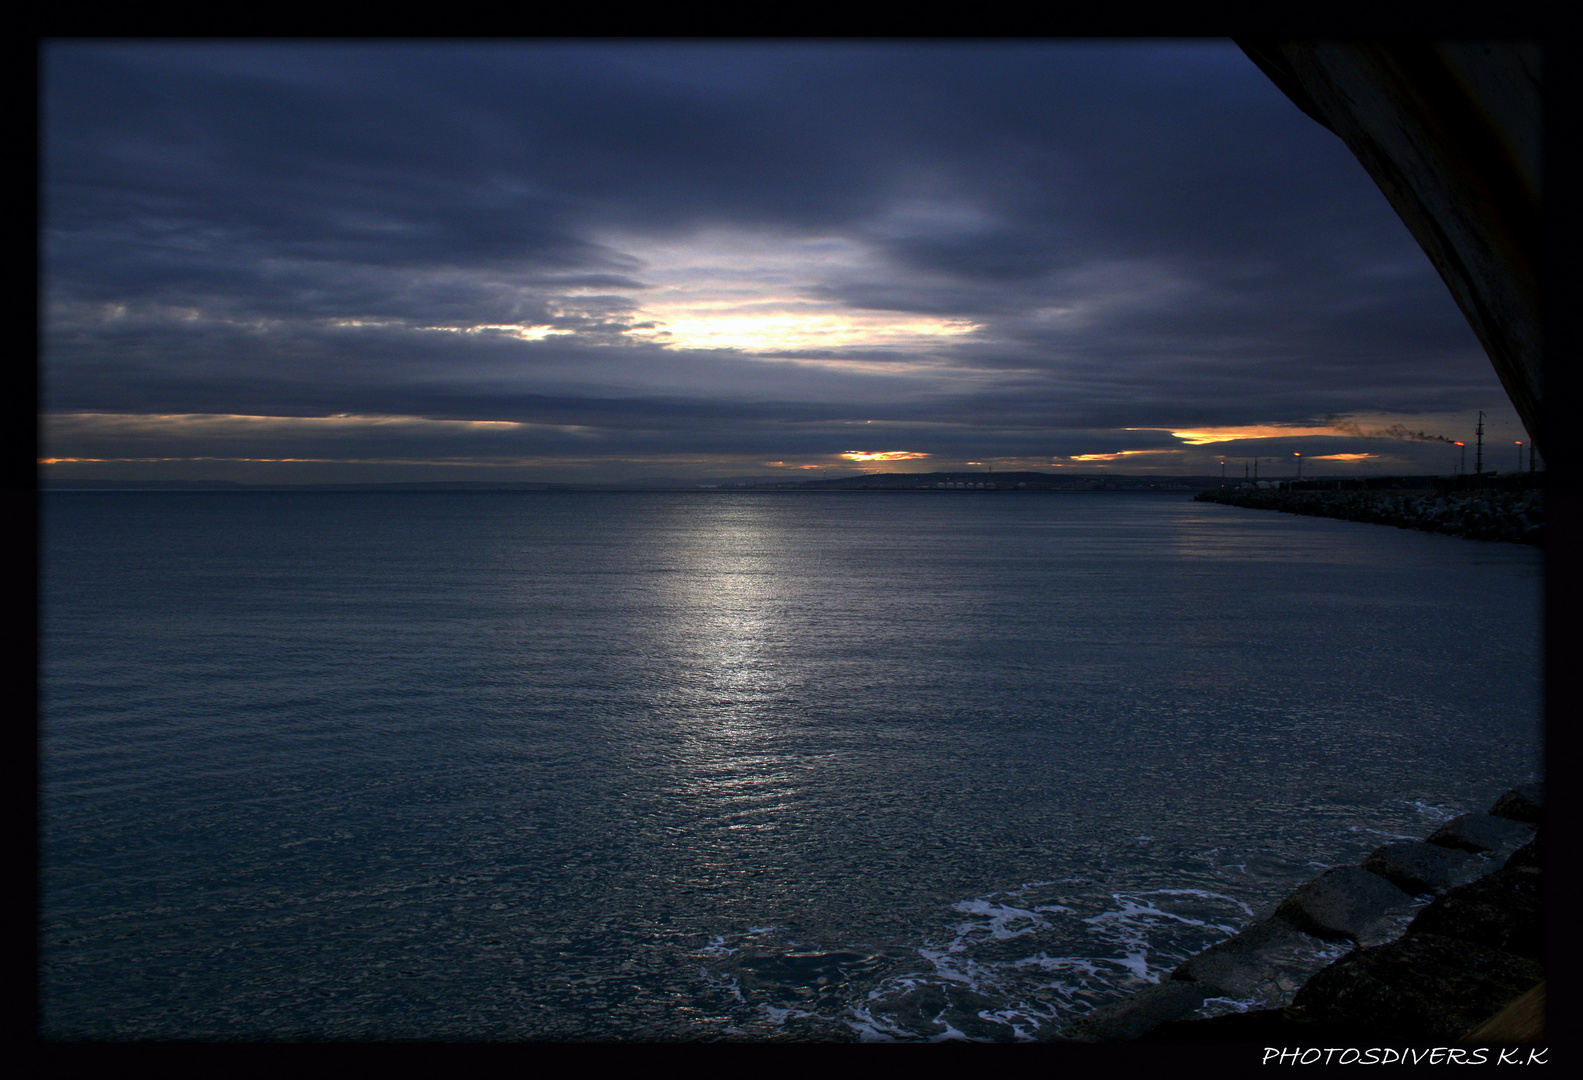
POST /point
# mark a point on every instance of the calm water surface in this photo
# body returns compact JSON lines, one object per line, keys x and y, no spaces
{"x":741,"y":766}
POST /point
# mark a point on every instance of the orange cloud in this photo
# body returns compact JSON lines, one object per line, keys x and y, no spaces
{"x":1204,"y":436}
{"x":1113,"y":457}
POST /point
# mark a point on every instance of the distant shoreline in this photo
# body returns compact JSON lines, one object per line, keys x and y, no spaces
{"x":887,"y":482}
{"x":361,"y":489}
{"x":1216,"y":487}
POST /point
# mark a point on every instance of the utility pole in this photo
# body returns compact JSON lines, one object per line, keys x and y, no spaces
{"x":1478,"y":454}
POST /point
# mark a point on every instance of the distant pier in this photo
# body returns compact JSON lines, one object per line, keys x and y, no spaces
{"x":1511,"y":512}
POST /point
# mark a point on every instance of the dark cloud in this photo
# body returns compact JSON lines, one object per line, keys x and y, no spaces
{"x":1145,"y":234}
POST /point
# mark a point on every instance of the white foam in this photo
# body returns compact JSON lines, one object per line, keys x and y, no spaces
{"x":1439,"y":813}
{"x":870,"y":1029}
{"x":1222,"y":1006}
{"x":1110,"y":942}
{"x":717,"y":947}
{"x":1000,"y":917}
{"x":778,"y":1017}
{"x":1138,"y":964}
{"x":1082,"y":965}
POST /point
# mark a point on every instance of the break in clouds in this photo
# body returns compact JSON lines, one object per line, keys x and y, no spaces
{"x":562,"y":261}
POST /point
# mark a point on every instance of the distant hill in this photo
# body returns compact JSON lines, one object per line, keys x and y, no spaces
{"x":55,"y":484}
{"x":1012,"y":481}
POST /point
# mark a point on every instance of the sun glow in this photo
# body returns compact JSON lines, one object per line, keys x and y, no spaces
{"x":787,"y":331}
{"x":767,"y":293}
{"x":884,"y":455}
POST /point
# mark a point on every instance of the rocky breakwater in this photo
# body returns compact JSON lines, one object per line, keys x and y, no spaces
{"x":1440,"y":936}
{"x":1516,"y":516}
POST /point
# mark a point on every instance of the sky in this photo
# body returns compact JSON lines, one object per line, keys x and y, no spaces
{"x":342,"y":262}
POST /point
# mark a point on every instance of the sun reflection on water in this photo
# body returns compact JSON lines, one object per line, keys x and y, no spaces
{"x":728,"y":604}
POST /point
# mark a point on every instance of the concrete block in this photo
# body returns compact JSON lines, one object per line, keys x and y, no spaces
{"x":1343,"y":903}
{"x":1258,"y":963}
{"x":1525,"y":803}
{"x":1138,"y":1014}
{"x":1483,"y":832}
{"x":1504,"y":911}
{"x":1415,"y":866}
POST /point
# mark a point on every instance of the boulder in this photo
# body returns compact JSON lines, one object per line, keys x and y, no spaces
{"x":1138,"y":1014}
{"x":1531,"y":854}
{"x":1483,"y":832}
{"x":1343,"y":903}
{"x":1261,"y":962}
{"x":1525,"y":803}
{"x":1415,"y":866}
{"x":1504,"y":911}
{"x":1422,"y":987}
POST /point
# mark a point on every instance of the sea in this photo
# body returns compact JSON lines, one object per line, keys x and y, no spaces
{"x":727,"y":766}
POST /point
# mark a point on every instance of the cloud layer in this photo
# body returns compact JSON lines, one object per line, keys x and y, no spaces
{"x":592,"y":260}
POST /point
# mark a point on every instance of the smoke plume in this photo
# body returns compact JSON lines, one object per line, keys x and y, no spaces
{"x":1395,"y":431}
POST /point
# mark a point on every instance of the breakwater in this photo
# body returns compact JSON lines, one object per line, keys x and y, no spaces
{"x":1441,"y":935}
{"x":1514,"y":516}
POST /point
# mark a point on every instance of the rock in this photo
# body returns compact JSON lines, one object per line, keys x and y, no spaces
{"x":1260,"y":962}
{"x":1422,"y":987}
{"x":1134,"y":1016}
{"x":1503,"y":911}
{"x":1418,"y":867}
{"x":1464,"y":957}
{"x":1525,"y":803}
{"x":1483,"y":832}
{"x":1531,"y":854}
{"x":1343,"y":903}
